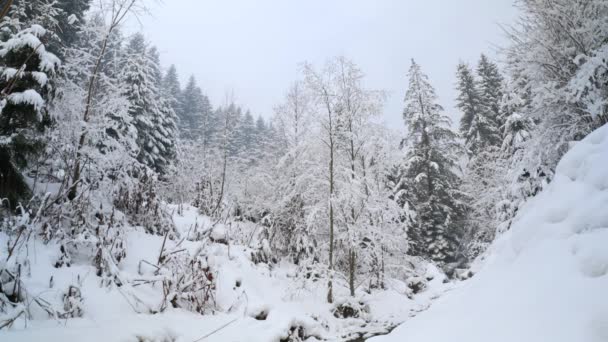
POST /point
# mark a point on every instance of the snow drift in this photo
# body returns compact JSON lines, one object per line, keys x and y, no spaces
{"x":545,"y":279}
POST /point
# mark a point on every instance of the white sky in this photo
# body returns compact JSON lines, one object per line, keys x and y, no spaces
{"x":255,"y":47}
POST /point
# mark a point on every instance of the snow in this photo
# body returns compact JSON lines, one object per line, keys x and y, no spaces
{"x":245,"y":293}
{"x":29,"y":97}
{"x":30,"y":38}
{"x":543,"y":280}
{"x":40,"y":77}
{"x":546,"y":278}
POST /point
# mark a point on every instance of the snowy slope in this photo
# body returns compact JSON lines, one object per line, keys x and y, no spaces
{"x":547,"y":278}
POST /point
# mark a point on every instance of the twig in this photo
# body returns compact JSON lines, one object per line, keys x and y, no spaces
{"x":162,"y":249}
{"x":6,"y":8}
{"x":216,"y":330}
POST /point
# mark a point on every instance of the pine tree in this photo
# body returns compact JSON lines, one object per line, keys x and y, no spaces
{"x":153,"y":117}
{"x":196,"y":117}
{"x":430,"y":161}
{"x":27,"y":70}
{"x":247,"y":132}
{"x":260,"y":127}
{"x":477,"y":125}
{"x":70,"y":19}
{"x":491,"y":89}
{"x":164,"y":118}
{"x":172,"y":89}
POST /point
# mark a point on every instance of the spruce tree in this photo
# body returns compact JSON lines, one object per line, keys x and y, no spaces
{"x":247,"y":131}
{"x":477,"y":125}
{"x":260,"y":126}
{"x":428,"y":173}
{"x":195,"y":115}
{"x":164,"y":117}
{"x":27,"y":70}
{"x":153,"y":117}
{"x":261,"y":139}
{"x":491,"y":89}
{"x":172,"y":89}
{"x":70,"y":19}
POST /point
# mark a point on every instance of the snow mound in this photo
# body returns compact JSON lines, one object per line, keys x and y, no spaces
{"x":545,"y":279}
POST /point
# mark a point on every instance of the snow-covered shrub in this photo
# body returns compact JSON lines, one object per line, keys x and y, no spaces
{"x":350,"y":308}
{"x":294,"y":334}
{"x":72,"y":303}
{"x":187,"y":281}
{"x":144,"y":208}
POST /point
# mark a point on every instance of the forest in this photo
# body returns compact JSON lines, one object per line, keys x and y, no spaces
{"x":134,"y":208}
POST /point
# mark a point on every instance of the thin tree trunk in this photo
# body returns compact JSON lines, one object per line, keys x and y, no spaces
{"x":118,"y":14}
{"x":351,"y":270}
{"x":330,"y":295}
{"x":221,"y":195}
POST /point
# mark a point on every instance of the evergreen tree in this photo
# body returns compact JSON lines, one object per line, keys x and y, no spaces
{"x":27,"y":70}
{"x":491,"y":90}
{"x":260,"y":127}
{"x":477,"y":125}
{"x":196,"y":117}
{"x":247,"y":132}
{"x":153,"y":117}
{"x":428,"y":173}
{"x":172,"y":89}
{"x":164,"y":117}
{"x":70,"y":19}
{"x":261,"y":139}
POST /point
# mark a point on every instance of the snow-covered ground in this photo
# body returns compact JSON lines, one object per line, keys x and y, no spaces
{"x":253,"y":302}
{"x":544,"y":280}
{"x":547,"y":278}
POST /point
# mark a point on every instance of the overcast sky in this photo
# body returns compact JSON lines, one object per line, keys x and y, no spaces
{"x":256,"y":47}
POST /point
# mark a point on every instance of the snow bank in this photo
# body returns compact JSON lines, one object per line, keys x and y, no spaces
{"x":546,"y":279}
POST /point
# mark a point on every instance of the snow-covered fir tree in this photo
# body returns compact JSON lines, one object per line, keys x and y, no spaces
{"x":27,"y":70}
{"x":165,"y":119}
{"x":491,"y":90}
{"x":479,"y":127}
{"x":153,"y":117}
{"x":196,"y":118}
{"x":477,"y":124}
{"x":429,"y":173}
{"x":172,"y":89}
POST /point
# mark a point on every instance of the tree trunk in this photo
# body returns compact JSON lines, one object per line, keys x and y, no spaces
{"x":330,"y":296}
{"x":351,"y":271}
{"x":118,"y":15}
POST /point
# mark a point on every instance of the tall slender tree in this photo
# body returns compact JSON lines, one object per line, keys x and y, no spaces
{"x":491,"y":90}
{"x":321,"y":86}
{"x":173,"y":90}
{"x":429,"y":172}
{"x":153,"y":117}
{"x":196,"y":115}
{"x":477,"y":125}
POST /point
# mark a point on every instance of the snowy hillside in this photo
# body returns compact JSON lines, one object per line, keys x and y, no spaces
{"x":547,"y":278}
